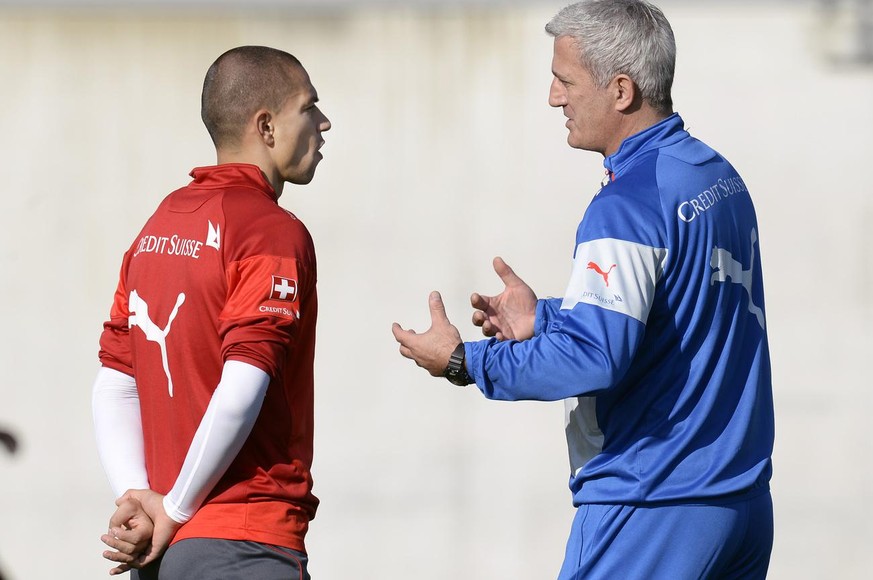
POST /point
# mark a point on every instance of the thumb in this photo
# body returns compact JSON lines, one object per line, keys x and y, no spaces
{"x":506,"y":273}
{"x":437,"y":309}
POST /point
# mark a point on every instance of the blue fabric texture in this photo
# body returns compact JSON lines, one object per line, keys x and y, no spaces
{"x":663,"y":323}
{"x":729,"y":540}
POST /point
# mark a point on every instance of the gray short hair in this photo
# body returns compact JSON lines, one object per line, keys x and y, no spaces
{"x":629,"y":37}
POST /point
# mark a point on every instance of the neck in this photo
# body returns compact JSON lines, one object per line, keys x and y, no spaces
{"x":257,"y":158}
{"x":632,"y":123}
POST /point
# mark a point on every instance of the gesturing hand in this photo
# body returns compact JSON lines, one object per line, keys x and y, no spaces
{"x":130,"y":533}
{"x":430,"y":350}
{"x":510,"y":314}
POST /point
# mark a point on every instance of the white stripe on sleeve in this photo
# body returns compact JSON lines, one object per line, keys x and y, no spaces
{"x":616,"y":275}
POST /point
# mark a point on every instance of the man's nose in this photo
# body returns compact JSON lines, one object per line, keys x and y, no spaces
{"x":324,"y":123}
{"x":557,"y":96}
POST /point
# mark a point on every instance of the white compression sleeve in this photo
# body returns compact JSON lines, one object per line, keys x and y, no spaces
{"x":118,"y":427}
{"x":225,"y":426}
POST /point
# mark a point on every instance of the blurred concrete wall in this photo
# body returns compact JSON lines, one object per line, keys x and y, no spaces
{"x":443,"y":154}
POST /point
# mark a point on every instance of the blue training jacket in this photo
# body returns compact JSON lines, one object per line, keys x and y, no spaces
{"x":659,"y":346}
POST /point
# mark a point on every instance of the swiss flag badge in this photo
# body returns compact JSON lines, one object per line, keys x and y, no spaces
{"x":283,"y":289}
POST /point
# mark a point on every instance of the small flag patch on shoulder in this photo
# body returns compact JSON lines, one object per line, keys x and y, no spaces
{"x":283,"y":289}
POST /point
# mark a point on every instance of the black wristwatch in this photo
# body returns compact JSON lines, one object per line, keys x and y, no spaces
{"x":456,"y":372}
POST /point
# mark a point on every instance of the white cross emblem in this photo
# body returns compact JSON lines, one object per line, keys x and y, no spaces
{"x":284,"y":289}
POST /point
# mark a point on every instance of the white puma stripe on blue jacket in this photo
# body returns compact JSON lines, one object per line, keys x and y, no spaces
{"x":659,"y":345}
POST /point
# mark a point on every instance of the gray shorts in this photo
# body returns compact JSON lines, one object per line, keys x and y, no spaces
{"x":214,"y":559}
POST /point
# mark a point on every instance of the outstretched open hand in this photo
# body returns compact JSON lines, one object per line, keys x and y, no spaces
{"x":510,"y":314}
{"x":430,"y":350}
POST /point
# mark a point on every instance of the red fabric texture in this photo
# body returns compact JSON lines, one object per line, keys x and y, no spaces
{"x":221,"y":272}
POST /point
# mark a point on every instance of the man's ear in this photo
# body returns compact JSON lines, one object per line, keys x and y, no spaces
{"x":264,"y":125}
{"x":624,"y":91}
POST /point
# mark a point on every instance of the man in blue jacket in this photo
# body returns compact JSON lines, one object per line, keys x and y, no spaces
{"x":659,"y":345}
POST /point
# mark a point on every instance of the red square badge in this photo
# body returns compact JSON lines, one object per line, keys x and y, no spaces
{"x":283,"y":289}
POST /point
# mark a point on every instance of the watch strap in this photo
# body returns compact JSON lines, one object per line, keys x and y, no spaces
{"x":456,"y":371}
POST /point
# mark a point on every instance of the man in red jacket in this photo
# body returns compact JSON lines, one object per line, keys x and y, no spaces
{"x":203,"y":407}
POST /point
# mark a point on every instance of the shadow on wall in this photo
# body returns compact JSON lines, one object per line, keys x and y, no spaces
{"x":11,"y":444}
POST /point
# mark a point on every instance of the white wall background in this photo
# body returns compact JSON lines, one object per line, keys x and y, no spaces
{"x":443,"y":154}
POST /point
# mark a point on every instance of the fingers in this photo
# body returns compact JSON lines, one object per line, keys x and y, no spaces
{"x":420,"y":347}
{"x":403,"y":337}
{"x":480,"y":302}
{"x":505,"y":272}
{"x":126,"y":510}
{"x":160,"y":542}
{"x":150,"y":556}
{"x":481,"y":320}
{"x":437,"y":315}
{"x":122,"y":540}
{"x":131,"y":494}
{"x":437,"y":309}
{"x":398,"y":332}
{"x":120,"y":557}
{"x":133,"y":537}
{"x":124,"y":551}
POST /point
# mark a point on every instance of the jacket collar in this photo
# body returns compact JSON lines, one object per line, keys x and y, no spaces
{"x":232,"y":174}
{"x":661,"y":134}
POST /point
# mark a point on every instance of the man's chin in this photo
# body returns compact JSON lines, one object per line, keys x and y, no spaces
{"x":573,"y":140}
{"x":574,"y":143}
{"x":579,"y":144}
{"x":303,"y":177}
{"x":305,"y":180}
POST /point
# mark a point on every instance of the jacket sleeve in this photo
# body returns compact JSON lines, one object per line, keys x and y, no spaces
{"x":548,"y":309}
{"x":228,"y":420}
{"x":586,"y":344}
{"x":118,"y":428}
